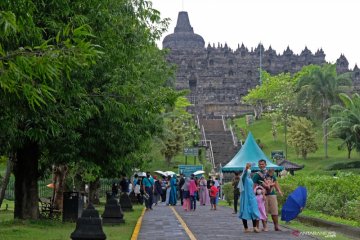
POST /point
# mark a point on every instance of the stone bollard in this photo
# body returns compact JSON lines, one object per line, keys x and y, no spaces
{"x":113,"y":213}
{"x":125,"y":202}
{"x":89,"y":226}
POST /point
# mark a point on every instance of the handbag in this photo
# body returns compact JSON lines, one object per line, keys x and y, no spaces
{"x":146,"y":196}
{"x":137,"y":189}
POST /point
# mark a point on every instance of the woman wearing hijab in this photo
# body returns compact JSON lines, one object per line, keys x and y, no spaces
{"x":204,"y":192}
{"x":173,"y":192}
{"x":192,"y":190}
{"x":248,"y":205}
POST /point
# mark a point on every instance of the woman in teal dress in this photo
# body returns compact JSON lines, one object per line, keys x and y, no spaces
{"x":248,"y":205}
{"x":173,"y":192}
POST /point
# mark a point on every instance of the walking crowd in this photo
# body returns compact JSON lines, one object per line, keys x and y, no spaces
{"x":171,"y":189}
{"x":256,"y":192}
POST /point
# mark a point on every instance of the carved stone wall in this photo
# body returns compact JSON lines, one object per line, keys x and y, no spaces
{"x":218,"y":77}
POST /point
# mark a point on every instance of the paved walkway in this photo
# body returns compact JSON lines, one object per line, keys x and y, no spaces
{"x":162,"y":223}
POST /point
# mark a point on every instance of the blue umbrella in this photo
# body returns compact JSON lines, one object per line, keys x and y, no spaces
{"x":294,"y":204}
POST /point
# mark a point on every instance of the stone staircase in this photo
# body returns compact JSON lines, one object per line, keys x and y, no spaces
{"x":221,"y":140}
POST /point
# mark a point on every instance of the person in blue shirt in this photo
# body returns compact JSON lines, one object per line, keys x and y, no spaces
{"x":148,"y":187}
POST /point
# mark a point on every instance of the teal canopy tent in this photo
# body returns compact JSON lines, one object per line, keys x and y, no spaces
{"x":250,"y":152}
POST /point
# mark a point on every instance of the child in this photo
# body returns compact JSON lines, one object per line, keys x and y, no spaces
{"x":213,"y":193}
{"x":268,"y":182}
{"x":260,"y":198}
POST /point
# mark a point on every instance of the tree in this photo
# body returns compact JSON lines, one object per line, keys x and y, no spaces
{"x":35,"y":67}
{"x":129,"y":88}
{"x":277,"y":94}
{"x":344,"y":122}
{"x":318,"y":88}
{"x":177,"y":129}
{"x":101,"y":115}
{"x":271,"y":93}
{"x":302,"y":136}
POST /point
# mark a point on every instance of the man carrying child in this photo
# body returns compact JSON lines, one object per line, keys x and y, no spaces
{"x":268,"y":181}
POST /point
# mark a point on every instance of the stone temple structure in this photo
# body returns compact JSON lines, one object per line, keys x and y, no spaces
{"x":218,"y":76}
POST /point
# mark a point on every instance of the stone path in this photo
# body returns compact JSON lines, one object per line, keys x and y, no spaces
{"x":205,"y":224}
{"x":161,"y":224}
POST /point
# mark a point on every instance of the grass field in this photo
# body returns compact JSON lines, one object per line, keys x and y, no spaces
{"x":56,"y":230}
{"x":315,"y":163}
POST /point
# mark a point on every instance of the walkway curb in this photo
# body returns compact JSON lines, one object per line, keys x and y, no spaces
{"x":137,"y":228}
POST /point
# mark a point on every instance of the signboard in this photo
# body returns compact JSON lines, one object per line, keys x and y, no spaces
{"x":187,"y":170}
{"x":191,"y":152}
{"x":277,"y":154}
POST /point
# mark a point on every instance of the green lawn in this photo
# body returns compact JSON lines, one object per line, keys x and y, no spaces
{"x":261,"y":129}
{"x":315,"y":163}
{"x":56,"y":230}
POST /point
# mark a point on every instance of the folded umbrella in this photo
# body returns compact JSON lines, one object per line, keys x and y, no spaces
{"x":160,"y":172}
{"x":171,"y":173}
{"x":294,"y":204}
{"x":141,"y":174}
{"x":198,"y":172}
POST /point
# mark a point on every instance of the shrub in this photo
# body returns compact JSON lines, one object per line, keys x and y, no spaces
{"x":333,"y":196}
{"x":352,"y":209}
{"x":344,"y":165}
{"x":228,"y":191}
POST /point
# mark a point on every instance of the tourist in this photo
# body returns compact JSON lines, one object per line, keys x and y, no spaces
{"x":114,"y":190}
{"x":235,"y":183}
{"x":248,"y":204}
{"x":124,"y":184}
{"x":137,"y":188}
{"x":186,"y":194}
{"x":213,"y":195}
{"x":164,"y":188}
{"x":260,"y":198}
{"x":157,"y":190}
{"x":148,"y":187}
{"x":181,"y":183}
{"x":263,"y":178}
{"x":208,"y":183}
{"x":173,"y":192}
{"x":192,"y":190}
{"x":168,"y":190}
{"x":217,"y":184}
{"x":203,"y":192}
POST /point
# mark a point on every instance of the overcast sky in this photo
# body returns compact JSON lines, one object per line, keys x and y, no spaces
{"x":333,"y":25}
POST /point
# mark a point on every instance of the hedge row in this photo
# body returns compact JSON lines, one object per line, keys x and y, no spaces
{"x":337,"y":196}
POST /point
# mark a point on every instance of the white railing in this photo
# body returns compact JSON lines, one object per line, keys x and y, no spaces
{"x":234,"y":138}
{"x":197,"y":121}
{"x":203,"y":134}
{"x":207,"y":143}
{"x":224,"y":123}
{"x":211,"y":155}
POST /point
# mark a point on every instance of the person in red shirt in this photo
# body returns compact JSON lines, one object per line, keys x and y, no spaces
{"x":213,"y":193}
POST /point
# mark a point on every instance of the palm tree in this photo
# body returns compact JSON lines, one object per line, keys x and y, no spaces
{"x":345,"y":121}
{"x":318,"y":91}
